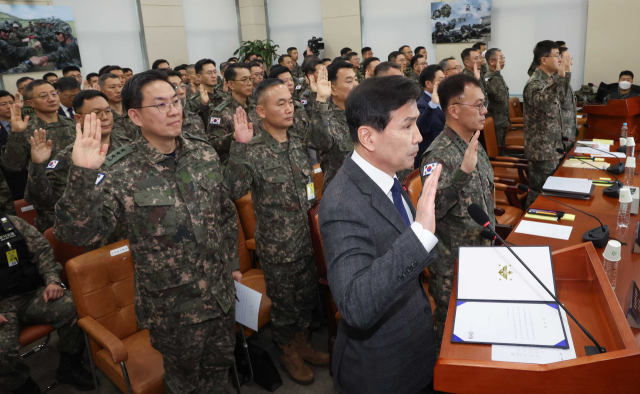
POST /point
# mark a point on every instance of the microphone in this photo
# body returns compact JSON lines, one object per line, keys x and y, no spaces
{"x":600,"y":88}
{"x":616,"y":169}
{"x":621,"y":149}
{"x":599,"y":235}
{"x":486,"y":234}
{"x":481,"y":217}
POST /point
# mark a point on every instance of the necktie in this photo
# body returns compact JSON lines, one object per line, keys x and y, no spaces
{"x":70,"y":110}
{"x":397,"y":201}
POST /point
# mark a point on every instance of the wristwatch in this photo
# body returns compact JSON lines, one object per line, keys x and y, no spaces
{"x":61,"y":285}
{"x":28,"y":63}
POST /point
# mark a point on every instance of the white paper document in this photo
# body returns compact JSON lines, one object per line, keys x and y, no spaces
{"x":593,"y":152}
{"x":494,"y":274}
{"x":547,"y":230}
{"x":534,"y":354}
{"x":508,"y":324}
{"x":567,"y":185}
{"x":594,"y":144}
{"x":247,"y":306}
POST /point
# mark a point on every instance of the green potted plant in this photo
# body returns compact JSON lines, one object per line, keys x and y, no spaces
{"x":265,"y":48}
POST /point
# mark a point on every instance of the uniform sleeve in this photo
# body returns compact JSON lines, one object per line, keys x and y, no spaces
{"x":220,"y":135}
{"x":38,"y":189}
{"x":540,"y":95}
{"x":450,"y":183}
{"x":40,"y":251}
{"x":17,"y":151}
{"x":318,"y":136}
{"x":495,"y":89}
{"x":229,"y":229}
{"x":564,"y":94}
{"x":86,"y":213}
{"x":6,"y":198}
{"x":238,"y":174}
{"x":67,"y":52}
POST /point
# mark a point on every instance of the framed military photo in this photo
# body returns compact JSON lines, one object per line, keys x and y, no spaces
{"x":461,"y":21}
{"x":37,"y":38}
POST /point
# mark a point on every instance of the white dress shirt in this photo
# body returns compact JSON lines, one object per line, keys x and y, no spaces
{"x":431,"y":104}
{"x":385,"y":182}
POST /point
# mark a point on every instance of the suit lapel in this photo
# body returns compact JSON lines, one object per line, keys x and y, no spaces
{"x":406,"y":197}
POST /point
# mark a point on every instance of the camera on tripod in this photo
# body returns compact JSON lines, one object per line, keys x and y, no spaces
{"x":315,"y":45}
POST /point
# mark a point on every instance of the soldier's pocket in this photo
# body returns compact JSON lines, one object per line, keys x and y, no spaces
{"x":155,"y":214}
{"x":161,"y":283}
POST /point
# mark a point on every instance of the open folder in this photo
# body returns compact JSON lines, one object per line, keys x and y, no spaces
{"x":500,"y":302}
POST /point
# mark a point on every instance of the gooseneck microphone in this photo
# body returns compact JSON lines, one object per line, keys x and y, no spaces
{"x":480,"y":216}
{"x":615,"y":169}
{"x":621,"y":149}
{"x":611,"y":191}
{"x":600,"y":88}
{"x":598,"y":235}
{"x":486,"y":234}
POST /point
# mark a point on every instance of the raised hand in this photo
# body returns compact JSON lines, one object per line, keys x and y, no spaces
{"x":19,"y":101}
{"x":243,"y":128}
{"x":88,"y":151}
{"x":17,"y":123}
{"x":498,"y":65}
{"x":323,"y":86}
{"x":40,"y":147}
{"x":561,"y":68}
{"x":567,"y":63}
{"x":471,"y":154}
{"x":192,"y":89}
{"x":426,"y":210}
{"x":95,"y":86}
{"x":434,"y":96}
{"x":312,"y":83}
{"x":476,"y":71}
{"x":204,"y":96}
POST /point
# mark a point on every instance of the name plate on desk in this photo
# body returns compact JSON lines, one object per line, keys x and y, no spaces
{"x":633,"y":306}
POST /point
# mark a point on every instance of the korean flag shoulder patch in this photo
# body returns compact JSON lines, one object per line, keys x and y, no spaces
{"x":298,"y":87}
{"x":100,"y":178}
{"x":53,"y":163}
{"x":214,"y":120}
{"x":304,"y":102}
{"x":429,"y":168}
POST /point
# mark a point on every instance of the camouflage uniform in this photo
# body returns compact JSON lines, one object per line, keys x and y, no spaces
{"x":454,"y":227}
{"x":29,"y":309}
{"x":297,"y":72}
{"x":585,"y":90}
{"x":415,"y":77}
{"x":542,"y":126}
{"x":17,"y":153}
{"x":63,"y":55}
{"x":481,"y":81}
{"x":220,"y":126}
{"x":192,"y":125}
{"x":408,"y":70}
{"x":7,"y":205}
{"x":123,"y":127}
{"x":329,"y":136}
{"x":620,"y":96}
{"x":183,"y":232}
{"x":300,"y":86}
{"x":498,"y":93}
{"x":194,"y":104}
{"x":360,"y":74}
{"x":277,"y":173}
{"x":12,"y":55}
{"x":568,"y":110}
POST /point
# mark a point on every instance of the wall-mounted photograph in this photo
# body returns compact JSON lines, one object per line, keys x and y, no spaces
{"x":461,"y":21}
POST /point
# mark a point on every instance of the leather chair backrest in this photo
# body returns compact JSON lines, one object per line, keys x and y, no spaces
{"x":62,"y":251}
{"x":412,"y":183}
{"x":317,"y":180}
{"x":25,"y":211}
{"x":243,"y":251}
{"x":490,"y":139}
{"x":102,"y":285}
{"x":244,"y":205}
{"x":515,"y":108}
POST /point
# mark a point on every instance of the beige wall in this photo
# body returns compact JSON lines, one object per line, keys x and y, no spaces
{"x":253,"y":22}
{"x":612,"y":40}
{"x":341,"y":26}
{"x":163,"y":25}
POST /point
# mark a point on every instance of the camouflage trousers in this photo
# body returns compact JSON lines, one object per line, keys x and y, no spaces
{"x":197,"y":358}
{"x":29,"y":309}
{"x":440,"y":290}
{"x":539,"y":171}
{"x":44,"y":220}
{"x":501,"y":134}
{"x":293,"y":290}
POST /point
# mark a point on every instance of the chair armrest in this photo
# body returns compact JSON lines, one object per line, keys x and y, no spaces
{"x":498,"y":211}
{"x":517,"y":120}
{"x":506,"y":182}
{"x":512,"y":147}
{"x":105,"y":338}
{"x":251,"y":244}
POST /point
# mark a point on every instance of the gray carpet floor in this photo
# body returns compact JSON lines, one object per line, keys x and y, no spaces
{"x":44,"y":364}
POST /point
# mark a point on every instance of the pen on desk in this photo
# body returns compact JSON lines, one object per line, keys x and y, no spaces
{"x":582,"y":158}
{"x":545,"y":212}
{"x":602,"y":182}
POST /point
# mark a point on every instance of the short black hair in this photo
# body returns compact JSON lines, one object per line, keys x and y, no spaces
{"x":563,"y":49}
{"x":256,"y":60}
{"x":478,"y":45}
{"x":365,"y":50}
{"x":453,"y":86}
{"x":262,"y":87}
{"x":232,"y":58}
{"x":109,"y":69}
{"x":85,"y":95}
{"x":223,"y":66}
{"x":172,"y":73}
{"x":68,"y":69}
{"x":310,"y":65}
{"x":340,"y":59}
{"x":626,"y":72}
{"x":4,"y":93}
{"x":33,"y":84}
{"x":91,"y":75}
{"x":344,"y":51}
{"x":106,"y":76}
{"x":333,"y":68}
{"x":67,"y":83}
{"x":230,"y":73}
{"x":418,"y":49}
{"x":47,"y":75}
{"x":101,"y":71}
{"x":466,"y":53}
{"x":157,"y":63}
{"x":404,"y":46}
{"x":253,"y":63}
{"x":384,"y":66}
{"x":326,"y":59}
{"x":491,"y":53}
{"x":21,"y":80}
{"x":543,"y":49}
{"x":429,"y":74}
{"x":282,"y":57}
{"x":350,"y":55}
{"x":393,"y":55}
{"x":368,"y":61}
{"x":277,"y":70}
{"x":132,"y":96}
{"x":200,"y":64}
{"x":561,"y":43}
{"x":372,"y":102}
{"x":181,"y":67}
{"x":290,"y":49}
{"x":415,"y":58}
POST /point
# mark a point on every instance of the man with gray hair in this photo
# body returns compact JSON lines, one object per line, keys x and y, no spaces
{"x":497,"y":93}
{"x":450,"y":66}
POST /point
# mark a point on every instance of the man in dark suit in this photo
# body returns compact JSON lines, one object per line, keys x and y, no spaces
{"x":17,"y":181}
{"x":377,"y":246}
{"x":68,"y":88}
{"x":431,"y":120}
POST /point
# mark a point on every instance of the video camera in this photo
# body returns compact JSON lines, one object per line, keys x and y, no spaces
{"x":315,"y":45}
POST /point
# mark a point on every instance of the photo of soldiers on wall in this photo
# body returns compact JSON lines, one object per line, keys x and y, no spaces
{"x":37,"y":38}
{"x":461,"y":21}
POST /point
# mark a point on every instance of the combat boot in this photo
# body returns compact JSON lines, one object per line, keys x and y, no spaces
{"x":28,"y":387}
{"x":72,"y":372}
{"x":309,"y":355}
{"x":295,"y":366}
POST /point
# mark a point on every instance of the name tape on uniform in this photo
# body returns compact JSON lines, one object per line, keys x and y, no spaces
{"x":121,"y":250}
{"x":214,"y":120}
{"x":27,"y":208}
{"x":317,"y":170}
{"x":429,"y":168}
{"x":53,"y":163}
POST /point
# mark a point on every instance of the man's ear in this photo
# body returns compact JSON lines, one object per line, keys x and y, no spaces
{"x":453,"y":111}
{"x":29,"y":102}
{"x":365,"y":137}
{"x":134,"y":115}
{"x":260,"y":111}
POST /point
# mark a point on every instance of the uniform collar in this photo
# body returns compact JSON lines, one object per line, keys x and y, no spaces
{"x":154,"y":156}
{"x":455,"y":138}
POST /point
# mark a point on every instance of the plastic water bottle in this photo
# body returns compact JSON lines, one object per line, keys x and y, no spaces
{"x":631,"y":147}
{"x":611,"y":269}
{"x":624,"y":213}
{"x":629,"y":170}
{"x":611,"y":257}
{"x":624,"y":131}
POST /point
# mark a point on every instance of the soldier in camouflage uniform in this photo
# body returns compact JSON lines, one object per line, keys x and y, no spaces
{"x":169,"y":193}
{"x":568,"y":104}
{"x":329,"y":132}
{"x":47,"y":304}
{"x":471,"y":60}
{"x":275,"y":167}
{"x":297,"y":70}
{"x":65,"y":52}
{"x":543,"y":116}
{"x":301,"y":120}
{"x":466,"y":178}
{"x":408,"y":55}
{"x":27,"y":110}
{"x":111,"y":85}
{"x":201,"y":103}
{"x":498,"y":94}
{"x":60,"y":130}
{"x":418,"y":64}
{"x":191,"y":122}
{"x":6,"y":198}
{"x":624,"y":79}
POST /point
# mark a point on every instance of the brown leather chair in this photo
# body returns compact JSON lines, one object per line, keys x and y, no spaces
{"x":25,"y":211}
{"x":412,"y":183}
{"x":317,"y":180}
{"x":103,"y":291}
{"x":504,"y":167}
{"x":244,"y":206}
{"x":515,"y":112}
{"x":62,"y":252}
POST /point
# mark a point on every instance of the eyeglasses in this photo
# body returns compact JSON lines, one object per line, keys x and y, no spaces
{"x":99,"y":114}
{"x":164,"y":108}
{"x":245,"y":81}
{"x":484,"y":104}
{"x":454,"y":68}
{"x":44,"y":96}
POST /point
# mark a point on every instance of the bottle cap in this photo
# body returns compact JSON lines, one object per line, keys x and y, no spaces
{"x":625,"y":195}
{"x":624,"y":124}
{"x":612,"y":251}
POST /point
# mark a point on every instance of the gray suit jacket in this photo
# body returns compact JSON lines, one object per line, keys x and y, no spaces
{"x":385,"y":340}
